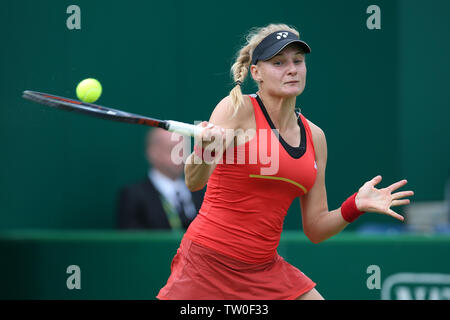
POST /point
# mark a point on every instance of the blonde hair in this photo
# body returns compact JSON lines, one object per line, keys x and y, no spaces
{"x":240,"y":68}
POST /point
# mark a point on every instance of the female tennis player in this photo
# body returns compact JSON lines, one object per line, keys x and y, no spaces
{"x":230,"y":249}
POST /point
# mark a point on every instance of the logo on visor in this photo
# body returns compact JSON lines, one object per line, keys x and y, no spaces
{"x":282,"y":34}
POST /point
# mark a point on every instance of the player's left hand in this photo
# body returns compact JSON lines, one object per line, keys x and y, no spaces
{"x":371,"y":199}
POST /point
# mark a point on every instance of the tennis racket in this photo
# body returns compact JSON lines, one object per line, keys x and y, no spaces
{"x":109,"y":113}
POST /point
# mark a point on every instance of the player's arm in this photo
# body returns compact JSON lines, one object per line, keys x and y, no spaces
{"x":318,"y":222}
{"x":197,"y":172}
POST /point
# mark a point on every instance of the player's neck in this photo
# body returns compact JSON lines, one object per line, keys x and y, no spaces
{"x":280,"y":109}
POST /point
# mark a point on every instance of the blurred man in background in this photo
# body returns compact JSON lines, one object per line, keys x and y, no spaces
{"x":161,"y":200}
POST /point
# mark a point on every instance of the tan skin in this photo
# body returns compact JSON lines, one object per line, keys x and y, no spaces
{"x":281,"y":79}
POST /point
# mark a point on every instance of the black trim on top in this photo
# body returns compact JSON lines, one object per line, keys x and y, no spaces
{"x":294,"y":152}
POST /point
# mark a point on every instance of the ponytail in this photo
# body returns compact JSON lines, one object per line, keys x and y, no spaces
{"x":239,"y":72}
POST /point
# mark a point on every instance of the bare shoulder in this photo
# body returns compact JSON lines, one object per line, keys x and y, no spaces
{"x":320,"y":142}
{"x":224,"y":110}
{"x":316,"y":132}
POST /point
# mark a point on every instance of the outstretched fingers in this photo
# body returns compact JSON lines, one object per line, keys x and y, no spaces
{"x":403,"y":202}
{"x":375,"y":181}
{"x":397,"y":198}
{"x":402,"y":194}
{"x":397,"y":185}
{"x":395,"y":215}
{"x":381,"y":200}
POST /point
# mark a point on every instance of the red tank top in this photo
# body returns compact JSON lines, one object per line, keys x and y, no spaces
{"x":246,"y":201}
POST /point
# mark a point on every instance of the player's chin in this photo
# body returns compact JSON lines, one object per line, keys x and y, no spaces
{"x":292,"y":91}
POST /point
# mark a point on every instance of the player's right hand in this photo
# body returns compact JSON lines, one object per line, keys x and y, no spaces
{"x":212,"y":139}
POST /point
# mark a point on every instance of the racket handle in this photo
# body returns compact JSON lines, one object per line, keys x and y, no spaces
{"x":183,"y":128}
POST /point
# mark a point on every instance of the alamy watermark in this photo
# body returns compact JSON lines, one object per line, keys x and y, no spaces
{"x":374,"y":20}
{"x":242,"y":147}
{"x":74,"y":280}
{"x":374,"y":280}
{"x":73,"y":21}
{"x":409,"y":285}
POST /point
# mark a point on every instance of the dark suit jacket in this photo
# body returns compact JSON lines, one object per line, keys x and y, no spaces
{"x":140,"y":207}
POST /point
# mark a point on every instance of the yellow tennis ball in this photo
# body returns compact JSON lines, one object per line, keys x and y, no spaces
{"x":89,"y":90}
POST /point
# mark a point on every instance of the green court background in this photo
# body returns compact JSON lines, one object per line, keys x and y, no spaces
{"x":135,"y":265}
{"x":379,"y":95}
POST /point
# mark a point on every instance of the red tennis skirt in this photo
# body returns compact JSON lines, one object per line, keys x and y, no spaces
{"x":200,"y":273}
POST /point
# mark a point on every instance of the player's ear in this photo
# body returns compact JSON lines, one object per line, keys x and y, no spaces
{"x":255,"y":72}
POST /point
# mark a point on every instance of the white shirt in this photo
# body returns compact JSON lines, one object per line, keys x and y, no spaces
{"x":169,"y":188}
